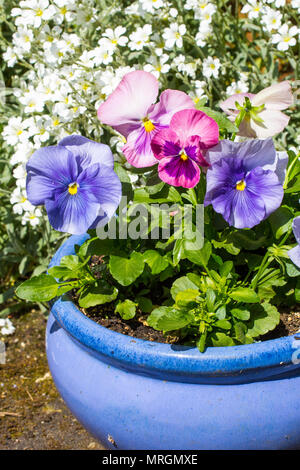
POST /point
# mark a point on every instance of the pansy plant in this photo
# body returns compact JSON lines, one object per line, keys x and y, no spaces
{"x":224,"y":290}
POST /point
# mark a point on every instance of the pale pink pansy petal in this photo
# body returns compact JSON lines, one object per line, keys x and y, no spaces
{"x":177,"y":172}
{"x":165,"y":143}
{"x":170,"y":102}
{"x":276,"y":97}
{"x":273,"y":123}
{"x":190,"y":122}
{"x":229,"y":107}
{"x":128,"y":104}
{"x":138,"y":150}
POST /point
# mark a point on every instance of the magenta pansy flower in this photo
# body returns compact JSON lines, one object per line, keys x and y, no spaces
{"x":130,"y":109}
{"x":264,"y":118}
{"x":180,"y":148}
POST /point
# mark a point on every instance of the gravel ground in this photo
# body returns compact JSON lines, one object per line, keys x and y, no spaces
{"x":32,"y":414}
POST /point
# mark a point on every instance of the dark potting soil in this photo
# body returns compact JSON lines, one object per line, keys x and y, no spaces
{"x":138,"y":328}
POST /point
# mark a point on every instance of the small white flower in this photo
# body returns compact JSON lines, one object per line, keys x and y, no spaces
{"x":211,"y":67}
{"x":173,"y":35}
{"x":22,"y":38}
{"x":140,"y":38}
{"x":237,"y":87}
{"x":157,"y":65}
{"x":33,"y":12}
{"x":278,"y":3}
{"x":285,"y":37}
{"x":151,"y":5}
{"x":15,"y":131}
{"x":6,"y":327}
{"x":173,"y":12}
{"x":33,"y":101}
{"x":205,"y":12}
{"x":19,"y":201}
{"x":10,"y":56}
{"x":113,"y":38}
{"x":272,"y":19}
{"x":296,"y":4}
{"x":253,"y":8}
{"x":203,"y":34}
{"x":32,"y":216}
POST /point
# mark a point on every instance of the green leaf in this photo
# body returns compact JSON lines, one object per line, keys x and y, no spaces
{"x":223,"y":324}
{"x":97,"y":294}
{"x":244,"y":294}
{"x":240,"y":332}
{"x":264,"y":317}
{"x":226,"y":269}
{"x":40,"y":288}
{"x":155,"y":261}
{"x":186,"y":297}
{"x":145,"y":304}
{"x":125,"y":270}
{"x":241,"y":313}
{"x":221,"y":339}
{"x":181,"y":284}
{"x":222,"y":121}
{"x":200,"y":257}
{"x":126,"y":309}
{"x":281,"y":221}
{"x":169,"y":318}
{"x":292,"y":270}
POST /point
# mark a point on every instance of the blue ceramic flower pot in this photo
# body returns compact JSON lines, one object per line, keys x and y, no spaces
{"x":135,"y":394}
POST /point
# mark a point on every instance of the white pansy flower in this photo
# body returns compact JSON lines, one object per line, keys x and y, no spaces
{"x":285,"y":37}
{"x":210,"y":67}
{"x":173,"y":35}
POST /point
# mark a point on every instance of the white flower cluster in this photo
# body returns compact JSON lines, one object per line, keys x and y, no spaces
{"x":76,"y":54}
{"x":282,"y":34}
{"x":6,"y":327}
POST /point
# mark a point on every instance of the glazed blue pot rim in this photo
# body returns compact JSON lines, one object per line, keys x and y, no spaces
{"x":146,"y":355}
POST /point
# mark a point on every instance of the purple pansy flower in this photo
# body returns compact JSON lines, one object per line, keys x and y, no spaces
{"x":244,"y":181}
{"x":76,"y":182}
{"x":180,"y":147}
{"x":294,"y":253}
{"x":130,"y":110}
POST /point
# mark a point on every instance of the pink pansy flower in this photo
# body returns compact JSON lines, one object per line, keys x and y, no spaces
{"x":264,"y":118}
{"x":130,"y":110}
{"x":180,"y":148}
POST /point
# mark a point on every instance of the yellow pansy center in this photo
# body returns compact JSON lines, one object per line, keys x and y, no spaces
{"x":149,"y":126}
{"x":73,"y":187}
{"x":183,"y":156}
{"x":240,"y":185}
